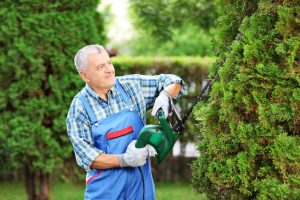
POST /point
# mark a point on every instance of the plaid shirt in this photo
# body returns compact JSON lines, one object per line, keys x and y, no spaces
{"x":142,"y":91}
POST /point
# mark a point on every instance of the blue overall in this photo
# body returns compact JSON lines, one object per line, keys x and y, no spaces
{"x":112,"y":135}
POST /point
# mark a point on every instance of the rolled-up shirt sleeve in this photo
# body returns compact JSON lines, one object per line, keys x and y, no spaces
{"x":152,"y":85}
{"x":79,"y":132}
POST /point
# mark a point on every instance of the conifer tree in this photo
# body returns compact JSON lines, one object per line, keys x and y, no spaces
{"x":38,"y":79}
{"x":250,"y":126}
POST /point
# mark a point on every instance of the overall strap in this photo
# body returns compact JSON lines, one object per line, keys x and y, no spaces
{"x":88,"y":108}
{"x":122,"y":92}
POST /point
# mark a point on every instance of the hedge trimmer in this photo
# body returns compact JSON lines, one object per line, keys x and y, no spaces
{"x":163,"y":136}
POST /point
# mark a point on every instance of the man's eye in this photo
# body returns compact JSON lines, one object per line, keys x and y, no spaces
{"x":100,"y":67}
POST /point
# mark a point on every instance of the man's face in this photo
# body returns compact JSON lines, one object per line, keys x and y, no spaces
{"x":99,"y":73}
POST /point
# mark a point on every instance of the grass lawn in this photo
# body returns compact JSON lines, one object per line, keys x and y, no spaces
{"x":70,"y":191}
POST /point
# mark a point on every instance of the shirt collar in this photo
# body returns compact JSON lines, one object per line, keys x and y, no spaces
{"x":91,"y":92}
{"x":113,"y":91}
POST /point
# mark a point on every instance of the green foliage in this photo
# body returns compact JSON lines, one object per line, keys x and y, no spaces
{"x":250,"y":125}
{"x":38,"y":79}
{"x":183,"y":65}
{"x":173,"y":28}
{"x":183,"y":42}
{"x":159,"y":17}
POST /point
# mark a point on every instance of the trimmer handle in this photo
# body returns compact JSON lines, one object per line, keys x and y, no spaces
{"x":160,"y":113}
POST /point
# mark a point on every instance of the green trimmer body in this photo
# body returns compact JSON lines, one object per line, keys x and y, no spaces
{"x":163,"y":136}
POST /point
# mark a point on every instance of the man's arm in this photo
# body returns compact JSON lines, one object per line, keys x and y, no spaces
{"x":173,"y":89}
{"x":133,"y":157}
{"x":79,"y":132}
{"x":151,"y":86}
{"x":105,"y":161}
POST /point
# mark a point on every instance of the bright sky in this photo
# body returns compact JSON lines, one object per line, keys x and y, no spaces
{"x":120,"y":28}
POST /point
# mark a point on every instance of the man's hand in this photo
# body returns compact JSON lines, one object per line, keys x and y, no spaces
{"x":133,"y":157}
{"x":151,"y":150}
{"x":163,"y":101}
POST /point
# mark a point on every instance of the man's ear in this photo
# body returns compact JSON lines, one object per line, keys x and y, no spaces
{"x":84,"y":77}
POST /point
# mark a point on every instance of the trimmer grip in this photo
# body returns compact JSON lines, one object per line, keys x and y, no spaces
{"x":141,"y":142}
{"x":150,"y":134}
{"x":160,"y":113}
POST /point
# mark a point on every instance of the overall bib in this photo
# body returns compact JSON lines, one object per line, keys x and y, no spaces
{"x":112,"y":135}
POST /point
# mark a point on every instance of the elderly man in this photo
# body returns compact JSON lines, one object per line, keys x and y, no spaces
{"x":104,"y":121}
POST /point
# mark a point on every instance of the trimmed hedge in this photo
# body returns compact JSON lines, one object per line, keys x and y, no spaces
{"x":143,"y":64}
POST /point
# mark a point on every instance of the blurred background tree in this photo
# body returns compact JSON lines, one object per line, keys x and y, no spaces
{"x":183,"y":42}
{"x":161,"y":17}
{"x":38,"y":79}
{"x":173,"y":28}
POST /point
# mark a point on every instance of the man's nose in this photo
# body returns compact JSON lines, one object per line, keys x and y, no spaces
{"x":109,"y":68}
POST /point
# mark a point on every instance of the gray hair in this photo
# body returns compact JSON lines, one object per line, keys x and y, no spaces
{"x":80,"y":59}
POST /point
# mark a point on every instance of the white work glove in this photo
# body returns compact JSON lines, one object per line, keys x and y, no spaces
{"x":133,"y":157}
{"x":162,"y":101}
{"x":151,"y":150}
